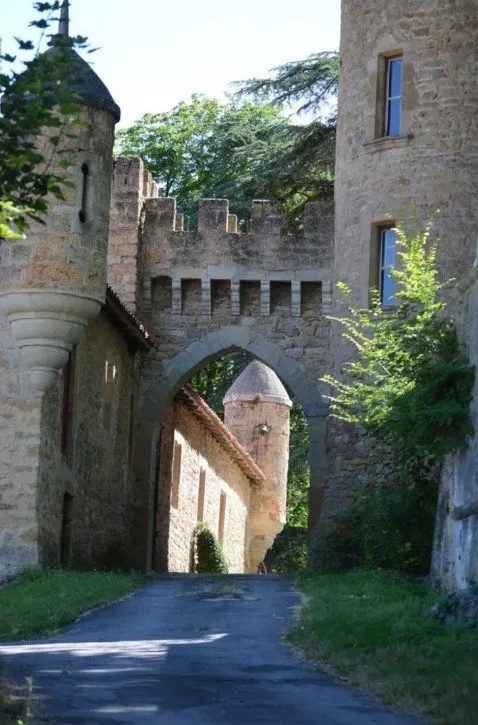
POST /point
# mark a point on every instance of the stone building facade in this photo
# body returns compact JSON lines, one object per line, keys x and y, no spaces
{"x":407,"y":151}
{"x":204,"y":476}
{"x":406,"y":147}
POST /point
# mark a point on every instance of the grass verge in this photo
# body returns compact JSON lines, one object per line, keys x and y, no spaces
{"x":38,"y":603}
{"x":370,"y":627}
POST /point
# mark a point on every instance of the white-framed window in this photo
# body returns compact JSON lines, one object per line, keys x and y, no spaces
{"x":387,"y":260}
{"x":393,"y":96}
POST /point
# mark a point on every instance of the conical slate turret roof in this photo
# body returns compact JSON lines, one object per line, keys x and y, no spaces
{"x":84,"y":81}
{"x":258,"y":381}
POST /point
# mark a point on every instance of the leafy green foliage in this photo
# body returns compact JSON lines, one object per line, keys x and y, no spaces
{"x":302,"y":156}
{"x":210,"y":558}
{"x":311,"y":84}
{"x":388,"y":525}
{"x":216,"y":377}
{"x":37,"y":99}
{"x":238,"y":150}
{"x":298,"y":480}
{"x":288,"y":554}
{"x":409,"y":387}
{"x":9,"y":215}
{"x":205,"y":149}
{"x":39,"y":602}
{"x":410,"y":384}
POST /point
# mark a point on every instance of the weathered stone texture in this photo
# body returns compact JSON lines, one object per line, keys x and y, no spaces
{"x":200,"y":451}
{"x":189,"y":278}
{"x":432,"y":166}
{"x":66,"y":253}
{"x":131,"y":185}
{"x":95,"y":467}
{"x":455,"y":551}
{"x":271,"y":453}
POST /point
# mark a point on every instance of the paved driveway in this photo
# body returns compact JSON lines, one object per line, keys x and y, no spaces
{"x":187,"y":650}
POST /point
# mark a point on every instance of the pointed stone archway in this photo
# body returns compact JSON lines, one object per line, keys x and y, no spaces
{"x":167,"y":377}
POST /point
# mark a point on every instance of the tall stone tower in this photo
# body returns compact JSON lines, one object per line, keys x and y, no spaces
{"x":55,"y":282}
{"x":407,"y":146}
{"x":257,"y":411}
{"x":51,"y":284}
{"x":407,"y":133}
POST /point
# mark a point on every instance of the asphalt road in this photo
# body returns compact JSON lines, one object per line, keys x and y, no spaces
{"x":187,"y":650}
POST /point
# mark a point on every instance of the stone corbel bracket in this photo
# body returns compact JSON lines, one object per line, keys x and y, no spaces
{"x":47,"y":324}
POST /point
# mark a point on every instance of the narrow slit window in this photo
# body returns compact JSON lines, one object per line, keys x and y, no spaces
{"x":85,"y":171}
{"x":393,"y":98}
{"x":66,"y":526}
{"x":222,"y":517}
{"x":111,"y":374}
{"x":201,"y":495}
{"x":176,"y":474}
{"x":387,"y":257}
{"x":67,"y":402}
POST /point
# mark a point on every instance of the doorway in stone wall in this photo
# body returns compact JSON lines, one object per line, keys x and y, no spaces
{"x":186,"y":479}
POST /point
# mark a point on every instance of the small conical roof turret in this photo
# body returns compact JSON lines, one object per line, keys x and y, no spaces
{"x":258,"y":382}
{"x":85,"y":83}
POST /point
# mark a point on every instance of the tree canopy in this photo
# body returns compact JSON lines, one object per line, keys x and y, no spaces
{"x":247,"y":147}
{"x":36,"y":98}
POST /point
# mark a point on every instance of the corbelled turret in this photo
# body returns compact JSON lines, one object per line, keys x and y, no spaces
{"x":61,"y":282}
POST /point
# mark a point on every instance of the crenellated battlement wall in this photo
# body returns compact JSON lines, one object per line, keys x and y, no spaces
{"x":217,"y":253}
{"x":218,"y":240}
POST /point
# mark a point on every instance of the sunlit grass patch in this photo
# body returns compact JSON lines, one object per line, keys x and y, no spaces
{"x":371,"y":628}
{"x":40,"y":602}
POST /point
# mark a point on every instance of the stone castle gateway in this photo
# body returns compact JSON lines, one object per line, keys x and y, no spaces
{"x":88,"y":370}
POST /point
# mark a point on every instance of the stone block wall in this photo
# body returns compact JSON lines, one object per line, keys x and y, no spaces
{"x":131,"y":185}
{"x":208,"y":292}
{"x":200,"y":452}
{"x":455,"y":551}
{"x":277,"y":285}
{"x":432,"y":165}
{"x":94,"y":466}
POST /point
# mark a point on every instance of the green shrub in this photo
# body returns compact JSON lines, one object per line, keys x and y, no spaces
{"x":288,"y":554}
{"x":409,"y":387}
{"x":210,"y":558}
{"x":388,"y":525}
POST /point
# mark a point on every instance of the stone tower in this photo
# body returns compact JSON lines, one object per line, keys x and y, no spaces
{"x":51,"y":284}
{"x":407,"y":131}
{"x":257,"y":411}
{"x":407,"y":150}
{"x":407,"y":146}
{"x":60,"y":282}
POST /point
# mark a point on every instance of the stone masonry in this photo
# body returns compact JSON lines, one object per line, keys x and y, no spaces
{"x":190,"y":297}
{"x":429,"y":170}
{"x":211,"y":468}
{"x":209,"y":292}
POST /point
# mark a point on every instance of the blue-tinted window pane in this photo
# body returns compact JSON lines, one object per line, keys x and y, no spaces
{"x":394,"y":117}
{"x":393,"y":101}
{"x":395,"y":77}
{"x":387,"y":262}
